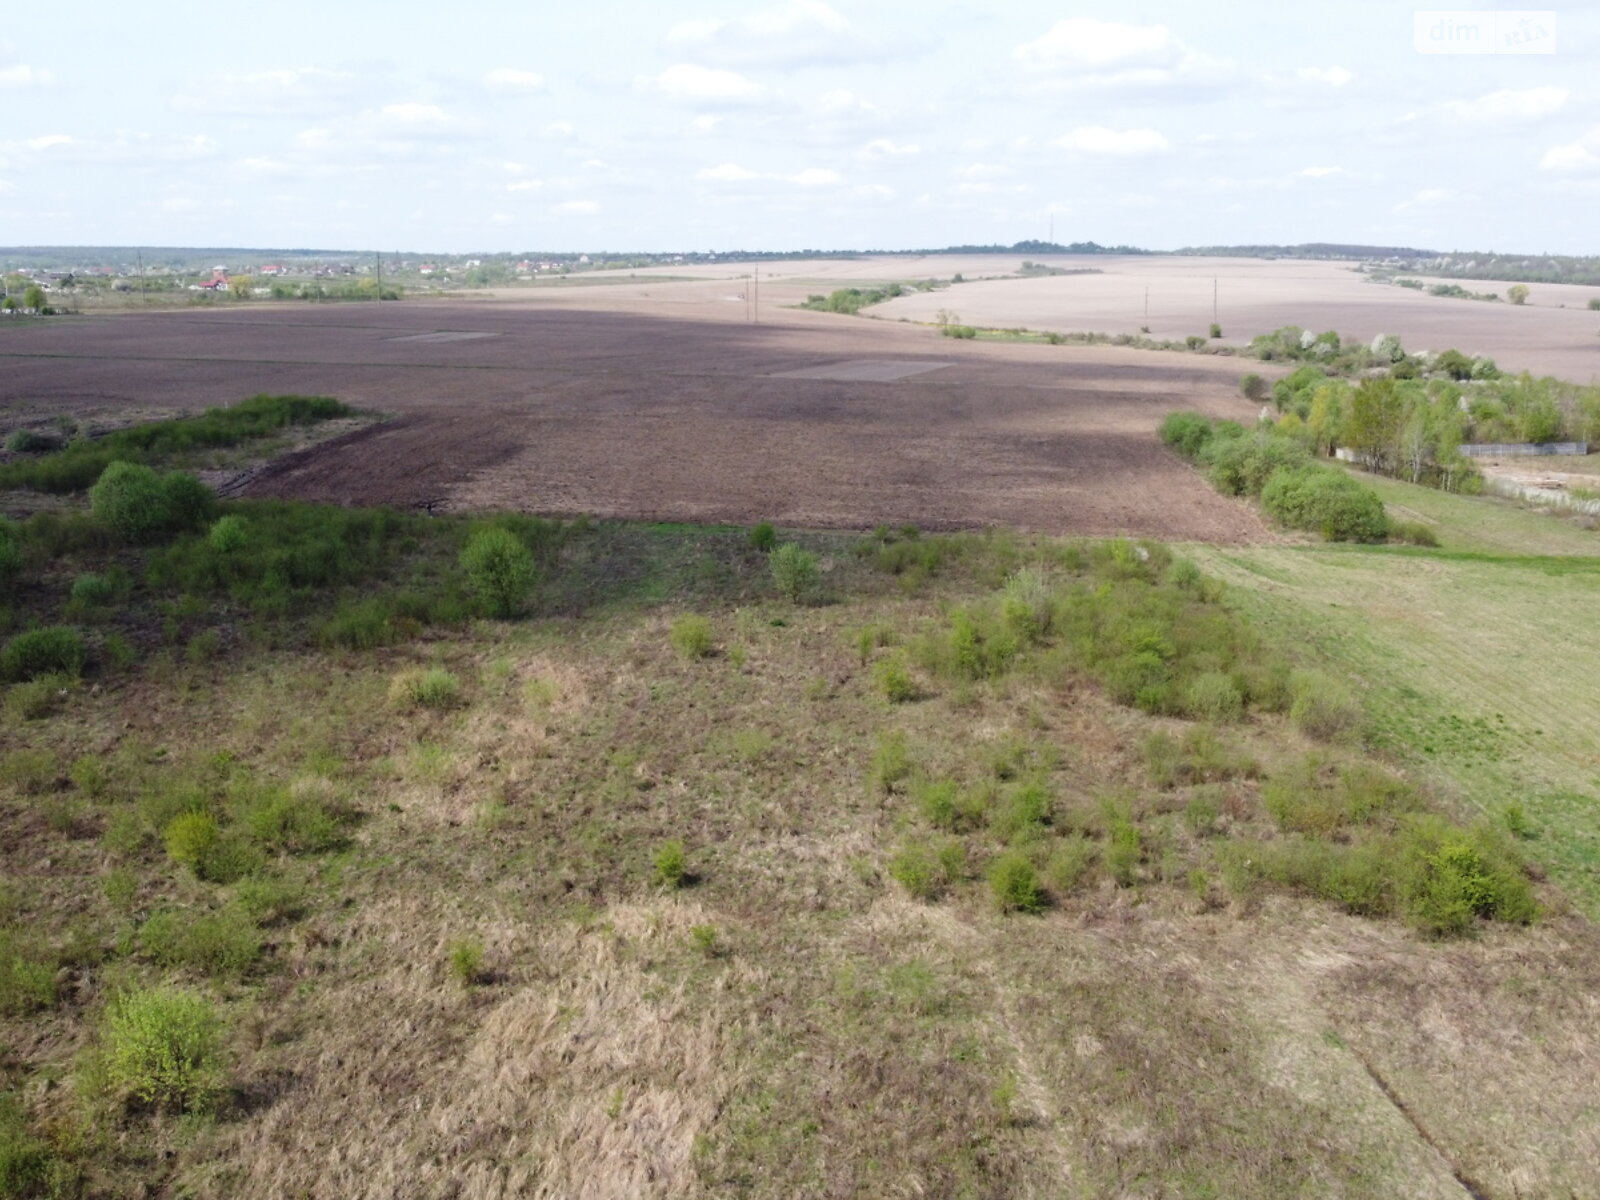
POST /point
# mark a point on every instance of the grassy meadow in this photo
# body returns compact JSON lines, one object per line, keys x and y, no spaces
{"x":763,"y":863}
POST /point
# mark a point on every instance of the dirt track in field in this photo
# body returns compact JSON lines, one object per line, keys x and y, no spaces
{"x":694,"y":415}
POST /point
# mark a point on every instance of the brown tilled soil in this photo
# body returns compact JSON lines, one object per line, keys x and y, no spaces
{"x":674,"y":411}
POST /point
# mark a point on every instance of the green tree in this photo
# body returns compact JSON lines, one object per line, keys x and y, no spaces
{"x":34,"y":298}
{"x":1372,"y":429}
{"x":1517,"y":293}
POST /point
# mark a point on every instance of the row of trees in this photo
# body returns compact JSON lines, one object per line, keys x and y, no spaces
{"x":1414,"y":428}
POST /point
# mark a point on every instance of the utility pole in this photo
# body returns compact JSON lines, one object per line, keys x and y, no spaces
{"x":1147,"y":306}
{"x":756,"y":292}
{"x":1213,"y":299}
{"x":144,"y":295}
{"x":380,"y":276}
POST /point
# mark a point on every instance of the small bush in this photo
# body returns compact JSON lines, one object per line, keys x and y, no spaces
{"x":138,"y":505}
{"x":229,"y":534}
{"x":52,"y":650}
{"x":964,"y":332}
{"x":93,"y":591}
{"x":164,"y":1048}
{"x":1215,"y":330}
{"x":691,"y":636}
{"x":1194,"y":341}
{"x":1187,"y":433}
{"x":39,"y":697}
{"x":433,"y":688}
{"x":1323,"y":708}
{"x":895,"y":681}
{"x":1453,"y":876}
{"x":1253,"y":387}
{"x":891,"y":763}
{"x":1124,"y":850}
{"x":795,"y":572}
{"x":1023,"y":814}
{"x":672,"y":864}
{"x":466,"y":961}
{"x":195,"y":840}
{"x":10,"y":551}
{"x":918,"y":868}
{"x":25,"y":1161}
{"x":220,"y":944}
{"x":269,"y":900}
{"x":1412,"y":533}
{"x":31,"y":441}
{"x":189,"y":504}
{"x":763,"y":537}
{"x":304,"y":818}
{"x":1014,"y":883}
{"x":1241,"y":466}
{"x":27,"y":977}
{"x":1213,"y":696}
{"x":501,"y":569}
{"x":1069,"y":865}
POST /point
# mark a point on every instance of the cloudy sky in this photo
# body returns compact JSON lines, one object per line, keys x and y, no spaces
{"x":783,"y":124}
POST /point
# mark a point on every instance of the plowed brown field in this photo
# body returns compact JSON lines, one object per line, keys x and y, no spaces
{"x":673,"y":411}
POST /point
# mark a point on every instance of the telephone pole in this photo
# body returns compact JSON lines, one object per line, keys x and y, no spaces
{"x":380,"y":276}
{"x":756,"y":293}
{"x":1214,"y":300}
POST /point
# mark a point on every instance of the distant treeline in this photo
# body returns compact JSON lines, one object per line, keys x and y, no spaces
{"x":1544,"y":268}
{"x":1310,"y":250}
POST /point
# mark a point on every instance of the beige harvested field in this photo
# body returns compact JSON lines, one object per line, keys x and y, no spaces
{"x":604,"y":402}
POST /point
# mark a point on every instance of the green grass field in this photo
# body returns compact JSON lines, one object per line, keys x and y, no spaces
{"x":1477,"y":660}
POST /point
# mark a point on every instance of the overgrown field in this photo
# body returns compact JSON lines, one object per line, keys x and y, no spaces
{"x":358,"y":854}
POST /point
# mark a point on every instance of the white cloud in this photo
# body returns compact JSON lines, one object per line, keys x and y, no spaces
{"x":22,"y":75}
{"x":727,"y":173}
{"x":525,"y":185}
{"x":178,"y":204}
{"x":977,"y":171}
{"x":427,"y":116}
{"x":510,"y":79}
{"x":280,"y":92}
{"x":1332,"y":76}
{"x":1426,"y":198}
{"x":1579,"y":157}
{"x":578,"y":208}
{"x":558,"y":129}
{"x":817,"y":177}
{"x":884,"y":148}
{"x":686,"y":81}
{"x":875,"y":191}
{"x":795,"y":33}
{"x":1510,"y":104}
{"x":1081,"y":43}
{"x":734,"y":173}
{"x":1320,"y":172}
{"x":1097,"y":139}
{"x":47,"y":141}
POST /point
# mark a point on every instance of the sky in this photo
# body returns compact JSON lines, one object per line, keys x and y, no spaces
{"x":470,"y":125}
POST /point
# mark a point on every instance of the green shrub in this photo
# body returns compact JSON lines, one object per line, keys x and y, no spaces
{"x":164,"y":1048}
{"x":1071,"y":860}
{"x":304,"y":818}
{"x":1453,"y":876}
{"x":1014,"y":883}
{"x":1311,"y":797}
{"x":1242,"y":466}
{"x":40,"y":697}
{"x":1253,"y":387}
{"x":195,"y":840}
{"x":795,"y":572}
{"x":763,"y":537}
{"x":221,"y":944}
{"x":939,"y":802}
{"x":672,"y":864}
{"x":918,"y":868}
{"x":1213,"y":696}
{"x":466,"y":961}
{"x":1124,"y":850}
{"x":501,"y":569}
{"x":27,"y":977}
{"x":52,"y":650}
{"x":1323,"y":708}
{"x":433,"y":688}
{"x":93,"y":591}
{"x":1187,"y":432}
{"x":229,"y":534}
{"x":138,"y":504}
{"x":1412,"y":533}
{"x":270,"y":900}
{"x":25,"y":1161}
{"x":891,"y":762}
{"x":10,"y":551}
{"x":1023,"y":814}
{"x":691,"y":636}
{"x":361,"y":624}
{"x":31,"y":441}
{"x":1326,"y":501}
{"x":895,"y":681}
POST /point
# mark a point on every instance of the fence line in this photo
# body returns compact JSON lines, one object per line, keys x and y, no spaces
{"x":1522,"y":449}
